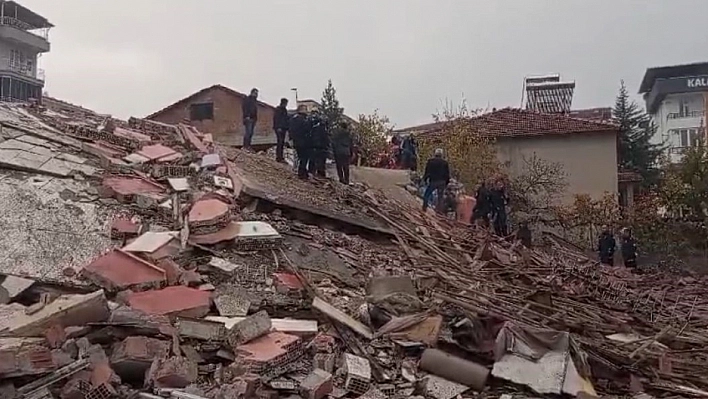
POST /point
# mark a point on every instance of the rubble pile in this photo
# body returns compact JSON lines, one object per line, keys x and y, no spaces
{"x":224,"y":276}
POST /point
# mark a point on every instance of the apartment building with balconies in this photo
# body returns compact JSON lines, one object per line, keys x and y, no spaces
{"x":24,"y":37}
{"x":677,"y":98}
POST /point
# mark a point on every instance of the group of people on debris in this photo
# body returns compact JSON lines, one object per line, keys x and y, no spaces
{"x":491,"y":198}
{"x":311,"y":135}
{"x":606,"y":246}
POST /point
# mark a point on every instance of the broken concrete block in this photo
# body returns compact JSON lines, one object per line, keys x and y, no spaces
{"x":24,"y":356}
{"x":342,"y":318}
{"x":357,"y":371}
{"x":151,"y":241}
{"x":325,"y":361}
{"x":67,"y":310}
{"x":172,"y":301}
{"x":440,"y":388}
{"x":287,"y":283}
{"x":455,"y":369}
{"x":270,"y":352}
{"x":316,"y":385}
{"x":55,"y":336}
{"x":174,"y":372}
{"x":232,"y":301}
{"x":13,"y":286}
{"x":222,"y":265}
{"x":141,"y":322}
{"x":119,"y":270}
{"x":201,"y":329}
{"x":248,"y":329}
{"x":133,"y":356}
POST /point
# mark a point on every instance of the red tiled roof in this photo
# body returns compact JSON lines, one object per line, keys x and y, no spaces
{"x":511,"y":122}
{"x":210,"y":88}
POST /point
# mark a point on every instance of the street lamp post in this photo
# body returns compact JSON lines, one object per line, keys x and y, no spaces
{"x":295,"y":90}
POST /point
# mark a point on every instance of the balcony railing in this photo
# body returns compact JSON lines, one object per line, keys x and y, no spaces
{"x":21,"y":25}
{"x":690,"y":114}
{"x":24,"y":70}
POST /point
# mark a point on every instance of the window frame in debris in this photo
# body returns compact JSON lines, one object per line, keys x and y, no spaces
{"x":201,"y":111}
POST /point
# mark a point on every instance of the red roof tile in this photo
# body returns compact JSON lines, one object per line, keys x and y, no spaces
{"x":510,"y":122}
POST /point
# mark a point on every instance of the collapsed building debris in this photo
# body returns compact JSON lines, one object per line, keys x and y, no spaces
{"x":211,"y":272}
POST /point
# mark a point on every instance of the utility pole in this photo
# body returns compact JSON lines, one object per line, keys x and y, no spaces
{"x":296,"y":100}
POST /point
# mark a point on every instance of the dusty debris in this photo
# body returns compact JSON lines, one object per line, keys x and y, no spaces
{"x":174,"y":372}
{"x":342,"y":317}
{"x":316,"y":385}
{"x":68,"y":310}
{"x":248,"y":329}
{"x":455,"y":369}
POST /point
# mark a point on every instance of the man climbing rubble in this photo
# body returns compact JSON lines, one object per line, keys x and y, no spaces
{"x":606,"y":246}
{"x":301,"y":136}
{"x":436,"y":177}
{"x":249,"y":111}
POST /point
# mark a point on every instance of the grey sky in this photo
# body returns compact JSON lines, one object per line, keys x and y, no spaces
{"x":405,"y":57}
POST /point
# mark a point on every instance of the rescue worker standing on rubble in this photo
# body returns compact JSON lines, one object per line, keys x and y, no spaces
{"x":342,"y":151}
{"x":319,"y":145}
{"x":436,"y":177}
{"x":499,"y":200}
{"x":606,"y":245}
{"x":281,"y":124}
{"x":301,"y":136}
{"x":629,"y":249}
{"x":249,"y":111}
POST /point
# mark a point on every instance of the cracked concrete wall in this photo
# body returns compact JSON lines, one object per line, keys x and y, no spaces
{"x":49,"y":224}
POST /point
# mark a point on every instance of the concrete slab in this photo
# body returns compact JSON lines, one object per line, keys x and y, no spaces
{"x":297,"y":327}
{"x":15,"y":144}
{"x":15,"y":285}
{"x":41,"y":227}
{"x":151,"y":241}
{"x":6,"y":155}
{"x":179,"y":184}
{"x":41,"y":150}
{"x":57,"y":167}
{"x":172,"y":301}
{"x":342,"y":318}
{"x":67,"y":311}
{"x":71,"y":158}
{"x":118,"y":270}
{"x":156,"y":151}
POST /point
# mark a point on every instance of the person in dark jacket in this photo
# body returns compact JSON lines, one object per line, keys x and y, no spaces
{"x":524,"y":234}
{"x":320,"y":146}
{"x":301,"y":136}
{"x":629,"y":249}
{"x":482,"y":206}
{"x":499,"y":200}
{"x":249,"y":110}
{"x":342,"y":151}
{"x":437,"y":177}
{"x":410,"y":153}
{"x":281,"y":124}
{"x":606,"y":246}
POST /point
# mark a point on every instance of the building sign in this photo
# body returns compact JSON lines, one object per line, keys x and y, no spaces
{"x":693,"y":83}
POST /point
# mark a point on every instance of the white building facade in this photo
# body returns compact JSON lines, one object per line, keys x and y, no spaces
{"x":677,"y":98}
{"x":24,"y":36}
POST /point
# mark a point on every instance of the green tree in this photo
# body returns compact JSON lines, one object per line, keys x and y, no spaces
{"x":636,"y":152}
{"x":371,"y":136}
{"x":330,"y":105}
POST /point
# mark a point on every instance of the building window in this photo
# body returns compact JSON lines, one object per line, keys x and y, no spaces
{"x":688,"y":137}
{"x":683,"y":107}
{"x":201,"y":111}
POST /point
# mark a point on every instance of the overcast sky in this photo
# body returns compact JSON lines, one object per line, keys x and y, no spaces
{"x":404,"y":57}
